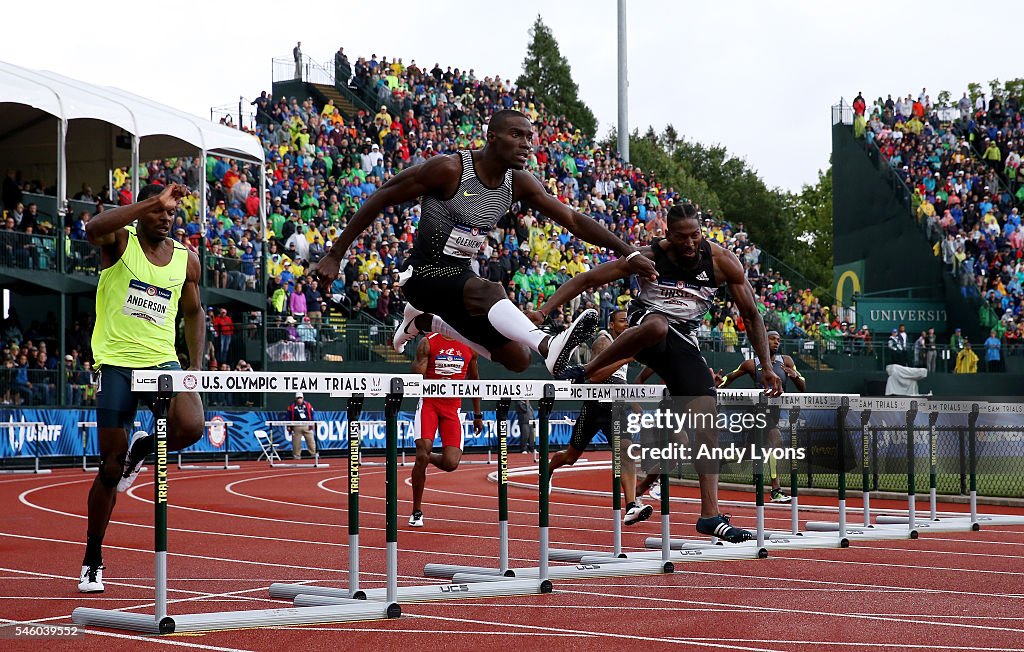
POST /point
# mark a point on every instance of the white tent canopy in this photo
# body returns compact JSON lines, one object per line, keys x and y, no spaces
{"x":55,"y":128}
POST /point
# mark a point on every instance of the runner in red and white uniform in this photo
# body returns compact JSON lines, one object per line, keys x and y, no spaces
{"x":440,"y":358}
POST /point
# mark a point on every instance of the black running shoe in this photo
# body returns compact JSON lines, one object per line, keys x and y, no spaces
{"x":561,"y":346}
{"x":718,"y":526}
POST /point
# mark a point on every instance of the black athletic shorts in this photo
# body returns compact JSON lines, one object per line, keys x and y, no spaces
{"x":594,"y":417}
{"x":115,"y":402}
{"x":678,"y":362}
{"x":437,"y":288}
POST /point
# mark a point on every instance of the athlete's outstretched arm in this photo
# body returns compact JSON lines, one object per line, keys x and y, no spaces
{"x":577,"y":285}
{"x":746,"y":368}
{"x":528,"y":189}
{"x":728,"y":268}
{"x":191,"y":307}
{"x":789,"y":366}
{"x":436,"y":175}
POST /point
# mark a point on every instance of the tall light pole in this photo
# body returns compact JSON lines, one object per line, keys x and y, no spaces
{"x":623,"y":128}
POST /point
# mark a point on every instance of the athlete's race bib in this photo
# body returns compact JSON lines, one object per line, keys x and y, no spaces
{"x":147,"y":302}
{"x":448,"y":364}
{"x":465,"y":241}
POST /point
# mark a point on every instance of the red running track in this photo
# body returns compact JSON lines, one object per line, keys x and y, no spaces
{"x":234,"y":532}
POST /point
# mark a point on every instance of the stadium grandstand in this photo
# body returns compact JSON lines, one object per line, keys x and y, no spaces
{"x":333,"y":137}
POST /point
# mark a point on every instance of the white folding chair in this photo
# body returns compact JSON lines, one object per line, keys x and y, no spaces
{"x":268,"y":447}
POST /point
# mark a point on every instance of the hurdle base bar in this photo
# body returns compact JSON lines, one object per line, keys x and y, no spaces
{"x":465,"y":590}
{"x":773,"y":541}
{"x":574,"y":556}
{"x":1000,"y":520}
{"x":25,"y":471}
{"x":284,"y":591}
{"x":715,"y":553}
{"x":448,"y":571}
{"x":876,"y":533}
{"x":305,"y":595}
{"x":204,"y":622}
{"x":944,"y":524}
{"x":600,"y":567}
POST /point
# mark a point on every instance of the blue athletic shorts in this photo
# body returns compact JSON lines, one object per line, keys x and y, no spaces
{"x":116,"y":403}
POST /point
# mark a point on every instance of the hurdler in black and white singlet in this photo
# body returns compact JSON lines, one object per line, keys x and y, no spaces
{"x":683,"y":296}
{"x":453,"y":230}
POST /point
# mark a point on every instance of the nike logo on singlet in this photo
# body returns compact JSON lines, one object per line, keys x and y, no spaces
{"x":467,"y":194}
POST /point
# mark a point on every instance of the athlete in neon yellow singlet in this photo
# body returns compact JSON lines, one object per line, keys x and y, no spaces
{"x":146,"y":280}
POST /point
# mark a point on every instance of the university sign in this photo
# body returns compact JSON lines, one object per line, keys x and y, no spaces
{"x":882,"y":315}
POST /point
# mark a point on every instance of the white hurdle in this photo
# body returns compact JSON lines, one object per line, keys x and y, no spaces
{"x":165,"y":384}
{"x":29,"y":431}
{"x":226,"y":465}
{"x":869,"y":532}
{"x":505,"y":585}
{"x":765,"y":541}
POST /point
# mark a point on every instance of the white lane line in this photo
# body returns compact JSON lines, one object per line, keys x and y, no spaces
{"x":447,"y":632}
{"x":803,"y":612}
{"x":562,"y":628}
{"x":834,"y":644}
{"x":891,"y":565}
{"x":23,"y":499}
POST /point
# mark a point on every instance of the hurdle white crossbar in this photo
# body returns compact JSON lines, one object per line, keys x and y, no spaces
{"x":165,"y":383}
{"x":284,"y":423}
{"x":27,"y":432}
{"x":226,"y":465}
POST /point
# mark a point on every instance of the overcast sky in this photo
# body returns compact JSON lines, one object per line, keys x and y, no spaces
{"x":754,"y":75}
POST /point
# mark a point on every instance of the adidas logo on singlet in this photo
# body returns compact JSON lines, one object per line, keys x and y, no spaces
{"x":703,"y":276}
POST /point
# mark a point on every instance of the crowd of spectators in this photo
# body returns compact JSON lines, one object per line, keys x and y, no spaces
{"x":321,"y":166}
{"x":29,"y":366}
{"x":961,"y":164}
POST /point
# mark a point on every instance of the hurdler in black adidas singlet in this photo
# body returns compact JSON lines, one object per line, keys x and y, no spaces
{"x":452,"y":230}
{"x":682,"y":295}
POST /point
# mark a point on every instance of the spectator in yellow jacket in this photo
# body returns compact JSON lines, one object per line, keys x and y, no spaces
{"x":966,"y":360}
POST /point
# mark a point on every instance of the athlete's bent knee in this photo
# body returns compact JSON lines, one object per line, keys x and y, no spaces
{"x":110,"y":471}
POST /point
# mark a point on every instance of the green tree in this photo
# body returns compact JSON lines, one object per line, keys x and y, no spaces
{"x":744,"y":196}
{"x":648,"y":153}
{"x":548,"y":73}
{"x":809,"y":217}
